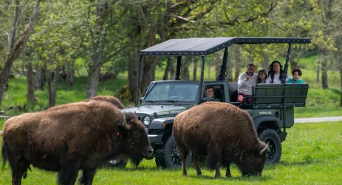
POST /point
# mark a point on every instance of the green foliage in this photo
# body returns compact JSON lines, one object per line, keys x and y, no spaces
{"x":15,"y":97}
{"x":311,"y":155}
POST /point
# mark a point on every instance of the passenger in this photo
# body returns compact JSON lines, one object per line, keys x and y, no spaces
{"x":262,"y":75}
{"x":209,"y":91}
{"x":296,"y":73}
{"x":246,"y":81}
{"x":276,"y":73}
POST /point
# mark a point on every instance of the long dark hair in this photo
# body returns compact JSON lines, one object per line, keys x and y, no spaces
{"x":271,"y":72}
{"x":261,"y":71}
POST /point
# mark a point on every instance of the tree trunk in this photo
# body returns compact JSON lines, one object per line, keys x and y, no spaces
{"x":167,"y":69}
{"x":237,"y":63}
{"x":194,"y":76}
{"x":4,"y":75}
{"x":327,"y":20}
{"x":319,"y":56}
{"x":185,"y":73}
{"x":16,"y":46}
{"x":172,"y":70}
{"x":93,"y":81}
{"x":339,"y":65}
{"x":99,"y":35}
{"x":293,"y":65}
{"x":325,"y":70}
{"x":341,"y":85}
{"x":132,"y":76}
{"x":70,"y":74}
{"x":30,"y":83}
{"x":53,"y":78}
{"x":149,"y":67}
{"x":229,"y":70}
{"x":39,"y":78}
{"x":266,"y":62}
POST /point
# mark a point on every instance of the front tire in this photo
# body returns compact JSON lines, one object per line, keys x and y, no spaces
{"x":168,"y":156}
{"x":271,"y":138}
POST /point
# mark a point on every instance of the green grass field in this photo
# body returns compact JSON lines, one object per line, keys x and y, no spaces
{"x":311,"y":155}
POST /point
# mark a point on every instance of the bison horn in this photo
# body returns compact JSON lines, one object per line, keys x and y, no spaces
{"x":263,"y":150}
{"x":124,"y":122}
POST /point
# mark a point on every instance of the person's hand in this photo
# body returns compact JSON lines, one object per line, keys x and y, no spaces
{"x":247,"y":78}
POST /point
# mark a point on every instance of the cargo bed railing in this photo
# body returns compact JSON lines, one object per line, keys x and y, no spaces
{"x":279,"y":95}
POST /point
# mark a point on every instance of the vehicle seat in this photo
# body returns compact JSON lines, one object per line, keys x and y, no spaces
{"x":233,"y":91}
{"x":218,"y":94}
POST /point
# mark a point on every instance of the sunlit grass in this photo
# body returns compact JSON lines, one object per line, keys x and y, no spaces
{"x":311,"y":155}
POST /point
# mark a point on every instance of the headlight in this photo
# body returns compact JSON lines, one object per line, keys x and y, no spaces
{"x":146,"y":120}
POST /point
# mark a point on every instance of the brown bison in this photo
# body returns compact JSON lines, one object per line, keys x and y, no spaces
{"x":224,"y":134}
{"x":121,"y":160}
{"x":113,"y":100}
{"x":72,"y":137}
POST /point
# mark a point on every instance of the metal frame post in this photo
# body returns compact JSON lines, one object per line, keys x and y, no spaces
{"x":201,"y":80}
{"x":179,"y":62}
{"x":222,"y":75}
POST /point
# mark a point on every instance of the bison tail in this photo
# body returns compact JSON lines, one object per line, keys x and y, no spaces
{"x":4,"y":157}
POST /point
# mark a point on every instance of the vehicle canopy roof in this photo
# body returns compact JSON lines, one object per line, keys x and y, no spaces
{"x":206,"y":46}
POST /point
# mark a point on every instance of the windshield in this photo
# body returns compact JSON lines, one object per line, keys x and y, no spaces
{"x":172,"y":92}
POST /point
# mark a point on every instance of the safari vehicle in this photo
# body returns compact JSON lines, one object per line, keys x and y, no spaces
{"x":272,"y":109}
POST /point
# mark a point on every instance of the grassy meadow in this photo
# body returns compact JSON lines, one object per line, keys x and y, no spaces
{"x":311,"y":155}
{"x":312,"y":152}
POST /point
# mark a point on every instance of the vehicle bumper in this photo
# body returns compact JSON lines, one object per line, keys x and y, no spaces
{"x":155,"y":139}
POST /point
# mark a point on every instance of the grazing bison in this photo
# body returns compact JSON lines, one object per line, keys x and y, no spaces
{"x":224,"y":134}
{"x":72,"y":137}
{"x":116,"y":102}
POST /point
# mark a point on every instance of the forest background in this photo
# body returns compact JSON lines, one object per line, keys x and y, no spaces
{"x":50,"y":41}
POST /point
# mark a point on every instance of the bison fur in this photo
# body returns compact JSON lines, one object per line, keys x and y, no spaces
{"x":72,"y":137}
{"x":224,"y":134}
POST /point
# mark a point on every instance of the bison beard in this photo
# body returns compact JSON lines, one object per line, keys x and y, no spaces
{"x":223,"y":133}
{"x":72,"y":137}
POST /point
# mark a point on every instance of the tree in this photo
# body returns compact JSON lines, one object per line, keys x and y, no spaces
{"x":176,"y":19}
{"x":98,"y":29}
{"x":16,"y":44}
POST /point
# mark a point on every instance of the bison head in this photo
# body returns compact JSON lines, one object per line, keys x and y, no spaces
{"x":135,"y":139}
{"x":252,"y":163}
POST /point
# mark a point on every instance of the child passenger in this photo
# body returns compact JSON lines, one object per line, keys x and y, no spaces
{"x":296,"y":73}
{"x":262,"y":75}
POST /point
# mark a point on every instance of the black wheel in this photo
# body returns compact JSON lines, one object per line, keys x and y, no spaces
{"x":168,"y":157}
{"x":271,"y":138}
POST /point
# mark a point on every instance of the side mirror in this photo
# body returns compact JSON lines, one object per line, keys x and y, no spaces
{"x":141,"y":100}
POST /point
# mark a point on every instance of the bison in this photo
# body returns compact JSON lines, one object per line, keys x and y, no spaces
{"x":115,"y":101}
{"x":118,"y":161}
{"x":72,"y":137}
{"x":224,"y":134}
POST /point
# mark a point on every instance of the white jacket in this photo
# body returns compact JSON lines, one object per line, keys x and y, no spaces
{"x":276,"y":79}
{"x":245,"y":87}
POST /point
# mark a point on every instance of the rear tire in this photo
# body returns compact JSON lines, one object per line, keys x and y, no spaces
{"x":271,"y":138}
